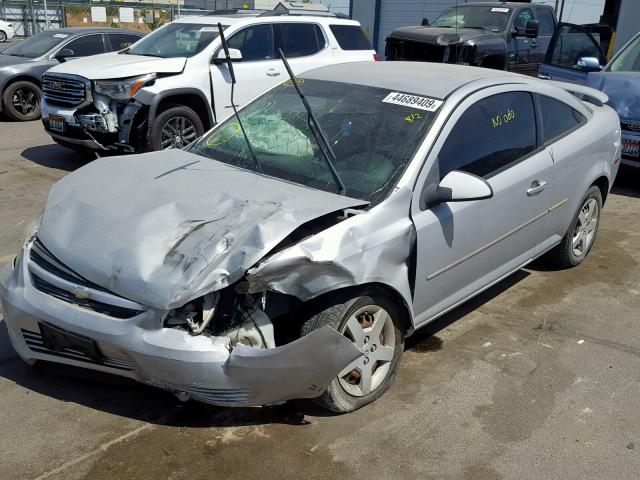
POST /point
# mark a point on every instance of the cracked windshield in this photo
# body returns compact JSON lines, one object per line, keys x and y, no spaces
{"x":373,"y":137}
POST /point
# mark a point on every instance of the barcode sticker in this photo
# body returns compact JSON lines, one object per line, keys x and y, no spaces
{"x":413,"y":101}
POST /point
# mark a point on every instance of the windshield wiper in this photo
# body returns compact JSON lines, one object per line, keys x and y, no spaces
{"x":232,"y":74}
{"x":145,"y":54}
{"x":329,"y":155}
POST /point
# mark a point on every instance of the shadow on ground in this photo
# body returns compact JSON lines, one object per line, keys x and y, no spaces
{"x":129,"y":399}
{"x":57,"y":156}
{"x":627,"y":183}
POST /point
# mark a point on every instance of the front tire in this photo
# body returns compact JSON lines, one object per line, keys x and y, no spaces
{"x":3,"y":36}
{"x":582,"y":232}
{"x":21,"y":101}
{"x":371,"y":320}
{"x":176,"y":127}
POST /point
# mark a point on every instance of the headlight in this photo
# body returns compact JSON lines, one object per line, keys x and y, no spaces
{"x":123,"y":89}
{"x":29,"y":235}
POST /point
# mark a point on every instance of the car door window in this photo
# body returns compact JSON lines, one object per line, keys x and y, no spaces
{"x":558,"y":118}
{"x":522,"y":17}
{"x":86,"y":45}
{"x":571,"y":44}
{"x":547,"y":23}
{"x":628,"y":60}
{"x":255,"y":43}
{"x":491,"y":135}
{"x":301,"y":39}
{"x":120,"y":41}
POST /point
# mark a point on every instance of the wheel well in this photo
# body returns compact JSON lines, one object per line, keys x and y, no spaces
{"x":603,"y":184}
{"x":21,"y":78}
{"x":496,"y":62}
{"x":406,"y":320}
{"x":191,"y":100}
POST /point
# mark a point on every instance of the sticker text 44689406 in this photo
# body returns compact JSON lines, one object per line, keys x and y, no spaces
{"x":413,"y":101}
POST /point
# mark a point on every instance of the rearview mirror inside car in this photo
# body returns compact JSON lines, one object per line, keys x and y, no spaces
{"x":65,"y":54}
{"x":459,"y":186}
{"x":234,"y":53}
{"x":589,"y":64}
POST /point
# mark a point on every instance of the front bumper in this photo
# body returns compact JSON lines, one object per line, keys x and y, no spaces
{"x":201,"y":367}
{"x":631,"y":148}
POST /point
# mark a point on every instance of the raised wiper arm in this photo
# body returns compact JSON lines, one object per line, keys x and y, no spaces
{"x":232,"y":74}
{"x":329,"y":151}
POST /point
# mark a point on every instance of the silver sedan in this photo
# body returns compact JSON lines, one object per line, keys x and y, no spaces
{"x":288,"y":255}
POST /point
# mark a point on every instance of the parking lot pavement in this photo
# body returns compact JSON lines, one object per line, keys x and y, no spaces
{"x":537,"y":378}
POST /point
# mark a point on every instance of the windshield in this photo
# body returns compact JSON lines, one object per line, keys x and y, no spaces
{"x":494,"y":19}
{"x":373,"y":132}
{"x":37,"y":45}
{"x":176,"y":40}
{"x":629,"y":59}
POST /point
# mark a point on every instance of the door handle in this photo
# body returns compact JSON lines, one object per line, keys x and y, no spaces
{"x":533,"y":43}
{"x":544,"y":76}
{"x":536,"y":188}
{"x":272,"y":72}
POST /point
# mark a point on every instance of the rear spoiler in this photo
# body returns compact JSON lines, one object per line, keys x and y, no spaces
{"x":585,"y":94}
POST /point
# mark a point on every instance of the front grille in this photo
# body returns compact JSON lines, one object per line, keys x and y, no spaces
{"x":35,"y":343}
{"x":208,"y":395}
{"x":44,"y":259}
{"x":64,"y":91}
{"x":633,"y":127}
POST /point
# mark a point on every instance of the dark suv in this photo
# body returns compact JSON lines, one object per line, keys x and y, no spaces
{"x":501,"y":35}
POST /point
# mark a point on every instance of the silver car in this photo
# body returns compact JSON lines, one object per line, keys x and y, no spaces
{"x":287,"y":255}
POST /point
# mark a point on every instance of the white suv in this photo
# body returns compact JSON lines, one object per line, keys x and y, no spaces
{"x":171,"y":86}
{"x":6,"y":31}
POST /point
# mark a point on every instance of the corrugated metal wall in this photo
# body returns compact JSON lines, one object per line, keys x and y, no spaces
{"x":401,"y":13}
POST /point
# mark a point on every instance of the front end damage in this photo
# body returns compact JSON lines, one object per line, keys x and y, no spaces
{"x":74,"y":111}
{"x":201,"y":294}
{"x":221,"y":351}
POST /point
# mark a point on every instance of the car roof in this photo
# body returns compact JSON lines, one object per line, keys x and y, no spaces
{"x":506,"y":4}
{"x":249,"y":19}
{"x":421,"y":78}
{"x":77,"y":30}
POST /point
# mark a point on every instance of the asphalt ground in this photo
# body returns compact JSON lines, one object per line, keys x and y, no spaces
{"x":539,"y":377}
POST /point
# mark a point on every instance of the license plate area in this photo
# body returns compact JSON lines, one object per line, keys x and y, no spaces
{"x":630,"y":147}
{"x":58,"y":340}
{"x":56,"y":123}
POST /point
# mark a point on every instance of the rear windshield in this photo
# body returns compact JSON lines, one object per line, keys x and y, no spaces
{"x":374,"y":133}
{"x":350,"y":37}
{"x":37,"y":45}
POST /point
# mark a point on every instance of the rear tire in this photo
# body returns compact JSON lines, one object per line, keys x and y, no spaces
{"x":582,"y":232}
{"x":21,"y":101}
{"x":3,"y":37}
{"x":371,"y":319}
{"x":175,"y":127}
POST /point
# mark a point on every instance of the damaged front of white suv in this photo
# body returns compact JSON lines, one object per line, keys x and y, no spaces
{"x":197,"y":273}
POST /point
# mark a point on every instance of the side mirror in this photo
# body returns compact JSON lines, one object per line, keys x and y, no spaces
{"x":234,"y":53}
{"x":459,"y":186}
{"x":531,"y":29}
{"x":425,"y":22}
{"x":64,"y":54}
{"x":589,"y":64}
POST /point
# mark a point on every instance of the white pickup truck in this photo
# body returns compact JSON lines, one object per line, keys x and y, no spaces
{"x":170,"y":87}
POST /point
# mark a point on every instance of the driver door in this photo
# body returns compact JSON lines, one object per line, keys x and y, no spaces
{"x":258,"y":71}
{"x":570,"y":43}
{"x":464,"y":247}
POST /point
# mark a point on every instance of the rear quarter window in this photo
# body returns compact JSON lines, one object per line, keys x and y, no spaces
{"x":558,"y":118}
{"x":350,"y":37}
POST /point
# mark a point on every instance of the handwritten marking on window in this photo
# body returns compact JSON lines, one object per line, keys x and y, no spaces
{"x":412,"y":117}
{"x":503,"y":119}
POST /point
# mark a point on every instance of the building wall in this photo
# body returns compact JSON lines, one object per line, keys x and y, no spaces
{"x":628,"y":22}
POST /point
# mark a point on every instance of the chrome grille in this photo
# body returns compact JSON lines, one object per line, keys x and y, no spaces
{"x":35,"y":343}
{"x":64,"y":91}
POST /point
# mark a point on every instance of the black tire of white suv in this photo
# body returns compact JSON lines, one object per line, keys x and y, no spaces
{"x":3,"y":36}
{"x":175,"y":127}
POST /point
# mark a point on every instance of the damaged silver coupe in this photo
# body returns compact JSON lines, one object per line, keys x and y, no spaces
{"x":290,"y":251}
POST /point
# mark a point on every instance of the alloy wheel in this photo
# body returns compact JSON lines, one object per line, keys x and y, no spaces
{"x":177,"y":132}
{"x":25,"y":101}
{"x":372,"y":330}
{"x":585,"y":228}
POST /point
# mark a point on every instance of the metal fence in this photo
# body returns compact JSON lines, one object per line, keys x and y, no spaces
{"x":29,"y":17}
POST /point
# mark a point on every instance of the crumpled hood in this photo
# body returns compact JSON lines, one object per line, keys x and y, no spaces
{"x":163,"y":228}
{"x":117,"y":65}
{"x":623,"y":89}
{"x":439,"y":36}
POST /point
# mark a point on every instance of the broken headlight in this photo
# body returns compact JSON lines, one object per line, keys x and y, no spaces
{"x":196,"y":314}
{"x":123,"y":89}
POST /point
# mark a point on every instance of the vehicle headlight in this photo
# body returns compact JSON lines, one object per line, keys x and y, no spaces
{"x":123,"y":89}
{"x":29,"y":235}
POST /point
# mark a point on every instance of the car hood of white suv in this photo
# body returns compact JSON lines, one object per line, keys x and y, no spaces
{"x":164,"y":228}
{"x":119,"y":65}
